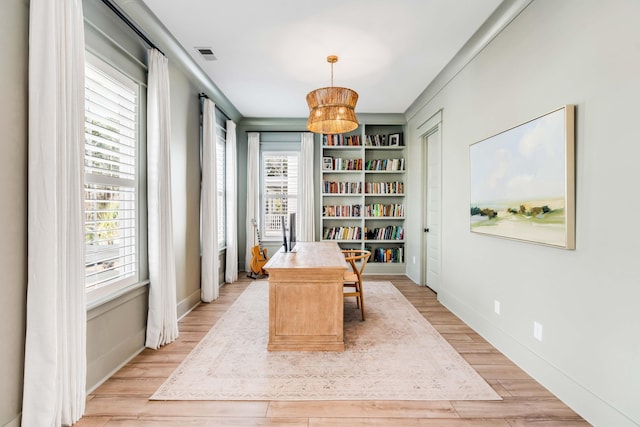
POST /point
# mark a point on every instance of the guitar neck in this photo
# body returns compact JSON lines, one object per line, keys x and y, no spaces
{"x":259,"y":239}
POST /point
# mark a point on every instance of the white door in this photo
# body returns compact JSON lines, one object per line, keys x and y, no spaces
{"x":433,"y":206}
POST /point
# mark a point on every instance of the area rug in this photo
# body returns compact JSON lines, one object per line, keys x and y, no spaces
{"x":394,"y":355}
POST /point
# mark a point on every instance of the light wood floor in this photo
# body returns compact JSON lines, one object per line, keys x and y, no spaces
{"x":123,"y":399}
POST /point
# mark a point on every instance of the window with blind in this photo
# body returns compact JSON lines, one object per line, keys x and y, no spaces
{"x":279,"y":190}
{"x":221,"y":190}
{"x":111,"y":144}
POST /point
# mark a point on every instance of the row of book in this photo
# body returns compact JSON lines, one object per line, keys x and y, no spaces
{"x":376,"y":210}
{"x":384,"y":187}
{"x":338,"y":164}
{"x":395,"y":255}
{"x":382,"y":210}
{"x":342,"y":233}
{"x":333,"y":187}
{"x":340,"y":140}
{"x":393,"y":140}
{"x":342,"y":210}
{"x":390,"y":232}
{"x":384,"y":165}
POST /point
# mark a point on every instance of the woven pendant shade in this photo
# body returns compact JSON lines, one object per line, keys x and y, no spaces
{"x":332,"y":109}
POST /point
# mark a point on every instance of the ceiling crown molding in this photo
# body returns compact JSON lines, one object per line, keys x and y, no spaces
{"x":148,"y":22}
{"x":506,"y":12}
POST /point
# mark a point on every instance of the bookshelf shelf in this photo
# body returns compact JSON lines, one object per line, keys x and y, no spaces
{"x":383,"y":218}
{"x":342,"y":218}
{"x":372,"y":170}
{"x":343,"y":148}
{"x":367,"y":147}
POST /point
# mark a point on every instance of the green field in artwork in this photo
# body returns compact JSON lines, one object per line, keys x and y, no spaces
{"x":541,"y":221}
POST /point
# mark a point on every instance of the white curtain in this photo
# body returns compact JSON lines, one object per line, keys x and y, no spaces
{"x":209,"y":268}
{"x":162,"y":322}
{"x":231,"y":268}
{"x":306,"y":225}
{"x":253,"y":193}
{"x":55,"y":350}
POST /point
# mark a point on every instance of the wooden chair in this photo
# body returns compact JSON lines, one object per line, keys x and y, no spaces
{"x":353,"y":279}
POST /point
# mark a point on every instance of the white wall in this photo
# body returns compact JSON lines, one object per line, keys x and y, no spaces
{"x":582,"y":52}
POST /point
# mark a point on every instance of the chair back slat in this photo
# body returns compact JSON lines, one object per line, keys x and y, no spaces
{"x":357,"y":255}
{"x":354,"y":280}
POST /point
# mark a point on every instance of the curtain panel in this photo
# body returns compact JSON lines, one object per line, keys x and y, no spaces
{"x":306,"y":226}
{"x":231,"y":267}
{"x":253,"y":193}
{"x":209,"y":289}
{"x":162,"y":322}
{"x":55,"y":346}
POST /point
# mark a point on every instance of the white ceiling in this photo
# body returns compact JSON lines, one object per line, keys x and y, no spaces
{"x":271,"y":53}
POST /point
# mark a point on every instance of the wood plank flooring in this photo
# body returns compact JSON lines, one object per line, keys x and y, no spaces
{"x":123,"y":399}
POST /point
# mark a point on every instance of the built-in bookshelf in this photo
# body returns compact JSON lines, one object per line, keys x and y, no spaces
{"x":363,"y":184}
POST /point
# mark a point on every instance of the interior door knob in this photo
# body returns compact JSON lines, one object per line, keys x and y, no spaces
{"x":426,"y":230}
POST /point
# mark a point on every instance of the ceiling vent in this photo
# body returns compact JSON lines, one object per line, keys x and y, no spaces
{"x":207,"y":53}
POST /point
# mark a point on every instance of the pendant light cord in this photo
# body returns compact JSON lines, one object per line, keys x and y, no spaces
{"x":332,"y":74}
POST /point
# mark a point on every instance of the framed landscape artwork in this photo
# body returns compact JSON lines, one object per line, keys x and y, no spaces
{"x":523,"y":181}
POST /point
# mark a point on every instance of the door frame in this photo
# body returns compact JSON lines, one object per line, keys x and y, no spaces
{"x":426,"y":129}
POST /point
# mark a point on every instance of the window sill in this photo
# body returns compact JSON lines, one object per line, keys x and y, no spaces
{"x":102,"y":296}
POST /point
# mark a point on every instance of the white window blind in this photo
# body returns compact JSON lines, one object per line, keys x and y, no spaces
{"x":111,"y":133}
{"x":279,"y":190}
{"x":221,"y":190}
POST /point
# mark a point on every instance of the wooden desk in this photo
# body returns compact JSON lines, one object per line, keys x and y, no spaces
{"x":305,"y":298}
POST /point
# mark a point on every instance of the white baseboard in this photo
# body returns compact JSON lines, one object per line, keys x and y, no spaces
{"x":584,"y":402}
{"x":413,"y":279}
{"x":138,"y":338}
{"x":15,"y":422}
{"x":188,"y":304}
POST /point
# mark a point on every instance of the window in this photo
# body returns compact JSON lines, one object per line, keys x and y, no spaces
{"x":279,"y":190}
{"x":221,"y":191}
{"x":111,"y":176}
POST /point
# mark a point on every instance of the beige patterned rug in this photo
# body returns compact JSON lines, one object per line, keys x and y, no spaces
{"x":394,"y":355}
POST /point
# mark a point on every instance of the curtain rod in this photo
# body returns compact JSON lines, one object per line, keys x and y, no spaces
{"x":131,"y":25}
{"x":202,"y":95}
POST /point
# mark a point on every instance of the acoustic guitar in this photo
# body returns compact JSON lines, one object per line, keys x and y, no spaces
{"x":258,"y":255}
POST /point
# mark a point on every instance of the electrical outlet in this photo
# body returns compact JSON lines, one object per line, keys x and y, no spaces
{"x":414,"y":259}
{"x":537,"y":331}
{"x":496,"y":306}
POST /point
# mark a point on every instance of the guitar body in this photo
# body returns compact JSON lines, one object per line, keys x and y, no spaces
{"x":258,"y":256}
{"x":258,"y":260}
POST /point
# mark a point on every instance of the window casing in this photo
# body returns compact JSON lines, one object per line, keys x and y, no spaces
{"x":112,"y":106}
{"x":279,"y":193}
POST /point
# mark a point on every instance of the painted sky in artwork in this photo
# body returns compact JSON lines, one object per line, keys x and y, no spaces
{"x":523,"y":163}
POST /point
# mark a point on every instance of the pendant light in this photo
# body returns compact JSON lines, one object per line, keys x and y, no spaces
{"x":332,"y":109}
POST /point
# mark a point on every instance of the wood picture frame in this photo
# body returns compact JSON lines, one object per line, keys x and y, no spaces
{"x":394,"y":140}
{"x":522,"y":181}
